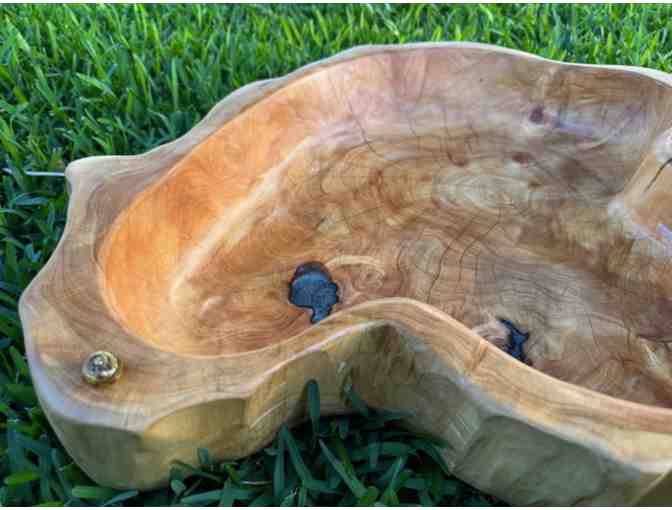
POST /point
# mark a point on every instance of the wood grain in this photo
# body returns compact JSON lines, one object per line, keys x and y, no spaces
{"x":441,"y":185}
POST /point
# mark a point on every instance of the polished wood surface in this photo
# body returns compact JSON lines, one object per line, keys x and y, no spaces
{"x":441,"y":186}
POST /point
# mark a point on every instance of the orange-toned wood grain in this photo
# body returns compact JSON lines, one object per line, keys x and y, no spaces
{"x":441,"y":186}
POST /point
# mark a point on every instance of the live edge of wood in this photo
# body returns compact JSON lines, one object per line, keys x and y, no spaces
{"x":512,"y":430}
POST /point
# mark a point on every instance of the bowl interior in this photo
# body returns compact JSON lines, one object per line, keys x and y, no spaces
{"x":476,"y":181}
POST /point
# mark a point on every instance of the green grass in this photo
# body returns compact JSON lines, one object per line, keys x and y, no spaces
{"x":88,"y":80}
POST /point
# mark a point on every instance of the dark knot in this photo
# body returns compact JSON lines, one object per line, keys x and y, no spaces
{"x":312,"y":287}
{"x":516,"y":340}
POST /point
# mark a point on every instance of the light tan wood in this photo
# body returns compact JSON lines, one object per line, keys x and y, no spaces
{"x":442,"y":185}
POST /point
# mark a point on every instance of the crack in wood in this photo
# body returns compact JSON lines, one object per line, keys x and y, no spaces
{"x":655,"y":177}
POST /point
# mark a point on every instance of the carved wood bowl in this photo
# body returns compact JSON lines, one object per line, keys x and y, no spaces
{"x":441,"y":188}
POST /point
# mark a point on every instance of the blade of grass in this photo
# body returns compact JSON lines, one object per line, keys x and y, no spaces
{"x":350,"y":480}
{"x":313,"y":391}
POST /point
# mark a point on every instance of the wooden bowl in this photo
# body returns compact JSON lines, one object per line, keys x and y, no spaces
{"x":440,"y":187}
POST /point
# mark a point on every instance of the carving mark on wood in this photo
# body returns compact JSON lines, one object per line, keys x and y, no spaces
{"x":312,"y":287}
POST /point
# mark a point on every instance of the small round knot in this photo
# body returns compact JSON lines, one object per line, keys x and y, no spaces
{"x":101,"y":367}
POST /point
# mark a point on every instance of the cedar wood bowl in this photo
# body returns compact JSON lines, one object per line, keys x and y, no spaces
{"x":442,"y":187}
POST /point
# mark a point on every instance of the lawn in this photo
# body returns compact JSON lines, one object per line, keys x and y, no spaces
{"x":78,"y":81}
